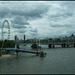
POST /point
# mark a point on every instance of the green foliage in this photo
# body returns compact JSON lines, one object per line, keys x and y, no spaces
{"x":28,"y":41}
{"x":51,"y":40}
{"x":7,"y":44}
{"x":0,"y":43}
{"x":64,"y":40}
{"x":57,"y":40}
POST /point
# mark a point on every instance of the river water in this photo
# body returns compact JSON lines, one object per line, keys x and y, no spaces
{"x":57,"y":61}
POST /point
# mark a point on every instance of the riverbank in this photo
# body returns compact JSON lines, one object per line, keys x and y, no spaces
{"x":6,"y":56}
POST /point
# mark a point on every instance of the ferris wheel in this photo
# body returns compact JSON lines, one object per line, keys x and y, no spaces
{"x":8,"y":35}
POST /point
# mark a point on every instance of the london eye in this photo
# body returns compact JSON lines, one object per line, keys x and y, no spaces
{"x":8,"y":35}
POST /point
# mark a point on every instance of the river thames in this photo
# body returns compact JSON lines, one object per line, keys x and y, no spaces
{"x":57,"y":61}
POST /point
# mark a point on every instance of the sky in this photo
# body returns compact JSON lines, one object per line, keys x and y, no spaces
{"x":41,"y":19}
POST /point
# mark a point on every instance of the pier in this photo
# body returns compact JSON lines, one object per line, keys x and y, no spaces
{"x":41,"y":53}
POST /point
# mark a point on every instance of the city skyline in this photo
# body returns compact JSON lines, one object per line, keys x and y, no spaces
{"x":38,"y":18}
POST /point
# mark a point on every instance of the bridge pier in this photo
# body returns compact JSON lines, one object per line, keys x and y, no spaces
{"x":67,"y":45}
{"x":51,"y":46}
{"x":74,"y":45}
{"x":63,"y":45}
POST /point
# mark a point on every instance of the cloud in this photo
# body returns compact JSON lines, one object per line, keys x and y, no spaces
{"x":18,"y":26}
{"x":3,"y":12}
{"x":59,"y":14}
{"x":26,"y":9}
{"x":45,"y":18}
{"x":20,"y":21}
{"x":23,"y":30}
{"x":63,"y":15}
{"x":33,"y":31}
{"x":60,"y":25}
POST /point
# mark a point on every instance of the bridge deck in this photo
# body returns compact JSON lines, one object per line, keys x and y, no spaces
{"x":24,"y":51}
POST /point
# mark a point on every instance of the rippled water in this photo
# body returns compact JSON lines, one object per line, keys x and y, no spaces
{"x":57,"y":61}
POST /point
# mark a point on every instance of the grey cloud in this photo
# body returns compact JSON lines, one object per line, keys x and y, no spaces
{"x":18,"y":26}
{"x":0,"y":26}
{"x":20,"y":21}
{"x":4,"y":12}
{"x":33,"y":30}
{"x":60,"y":25}
{"x":20,"y":30}
{"x":62,"y":15}
{"x":38,"y":11}
{"x":23,"y":14}
{"x":5,"y":26}
{"x":69,"y":4}
{"x":29,"y":15}
{"x":71,"y":31}
{"x":32,"y":33}
{"x":31,"y":12}
{"x":4,"y":32}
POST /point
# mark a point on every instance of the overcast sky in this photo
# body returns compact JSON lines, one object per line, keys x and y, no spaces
{"x":38,"y":18}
